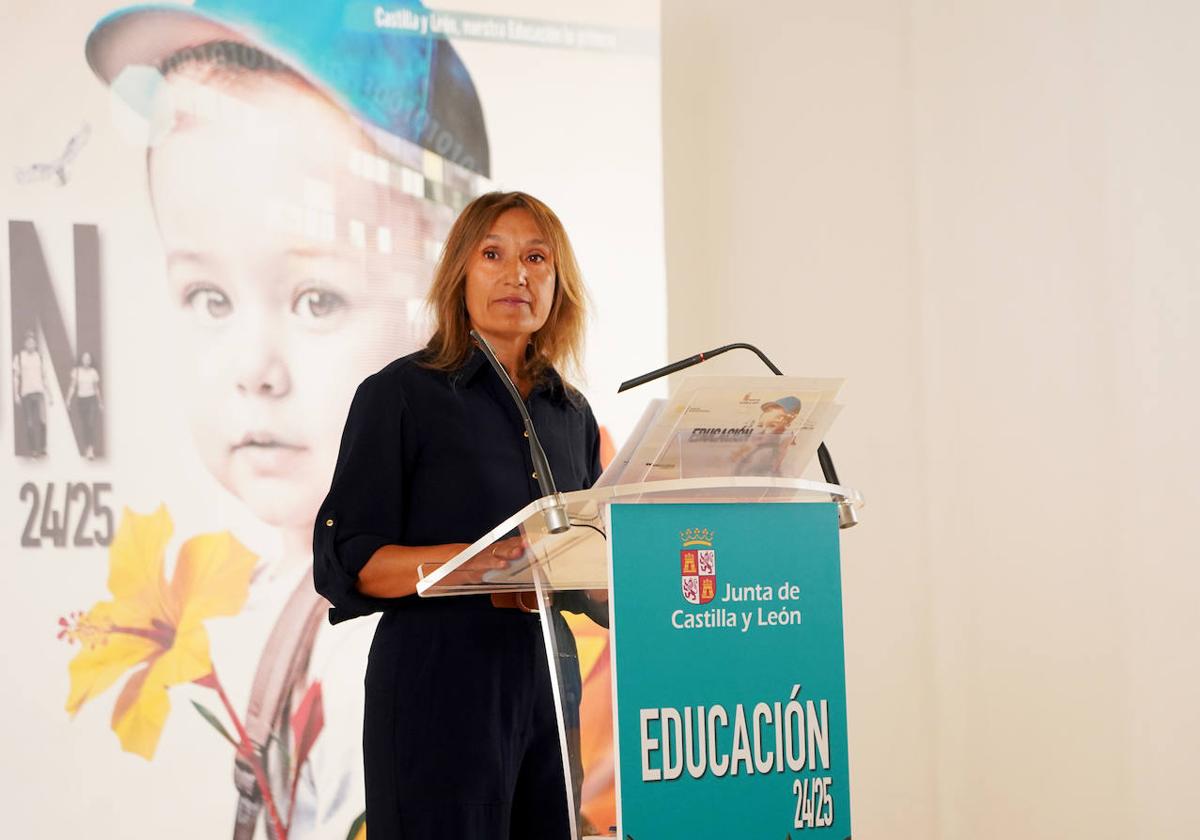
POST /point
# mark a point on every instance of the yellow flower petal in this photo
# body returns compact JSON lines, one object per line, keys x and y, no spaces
{"x":186,"y":660}
{"x":140,"y":713}
{"x":212,"y":577}
{"x":97,"y":667}
{"x":135,"y":574}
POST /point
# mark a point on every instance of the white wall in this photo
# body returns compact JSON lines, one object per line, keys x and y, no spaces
{"x":983,"y":215}
{"x":789,"y":225}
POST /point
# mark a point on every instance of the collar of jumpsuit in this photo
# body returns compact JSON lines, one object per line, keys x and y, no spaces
{"x":550,"y":385}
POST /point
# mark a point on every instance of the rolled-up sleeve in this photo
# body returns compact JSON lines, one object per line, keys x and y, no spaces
{"x":363,"y":509}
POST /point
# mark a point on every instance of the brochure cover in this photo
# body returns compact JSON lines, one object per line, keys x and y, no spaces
{"x":729,"y":426}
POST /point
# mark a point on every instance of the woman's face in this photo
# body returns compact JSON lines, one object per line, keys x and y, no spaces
{"x":86,"y":359}
{"x":510,"y":279}
{"x":292,"y":278}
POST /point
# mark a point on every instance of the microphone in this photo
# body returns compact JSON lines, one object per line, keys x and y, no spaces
{"x":557,"y":520}
{"x":847,"y":518}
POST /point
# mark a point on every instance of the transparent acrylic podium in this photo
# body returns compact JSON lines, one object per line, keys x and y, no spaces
{"x":571,"y":570}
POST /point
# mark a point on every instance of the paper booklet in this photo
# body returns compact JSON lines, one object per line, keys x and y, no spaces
{"x":728,"y":426}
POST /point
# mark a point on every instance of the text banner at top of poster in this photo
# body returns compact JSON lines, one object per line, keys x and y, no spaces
{"x":527,"y":32}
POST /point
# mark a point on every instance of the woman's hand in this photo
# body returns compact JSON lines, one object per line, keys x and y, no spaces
{"x":525,"y":601}
{"x":503,"y":552}
{"x":496,"y":557}
{"x":501,"y":555}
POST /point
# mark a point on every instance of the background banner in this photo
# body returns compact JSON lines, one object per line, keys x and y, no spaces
{"x":218,"y":219}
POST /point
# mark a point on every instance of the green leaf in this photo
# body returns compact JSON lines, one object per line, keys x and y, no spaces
{"x":356,"y":825}
{"x":216,"y":724}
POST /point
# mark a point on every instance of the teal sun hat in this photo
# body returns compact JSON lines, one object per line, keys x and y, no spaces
{"x":391,"y":78}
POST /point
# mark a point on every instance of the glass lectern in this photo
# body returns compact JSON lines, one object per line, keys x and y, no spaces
{"x":576,"y":568}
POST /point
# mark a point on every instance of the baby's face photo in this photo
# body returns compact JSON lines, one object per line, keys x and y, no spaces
{"x":775,"y":420}
{"x":293,"y":277}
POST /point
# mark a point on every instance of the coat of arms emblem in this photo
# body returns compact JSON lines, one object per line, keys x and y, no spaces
{"x":698,"y":566}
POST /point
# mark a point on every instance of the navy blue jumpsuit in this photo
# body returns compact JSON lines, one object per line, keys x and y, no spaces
{"x":459,"y":735}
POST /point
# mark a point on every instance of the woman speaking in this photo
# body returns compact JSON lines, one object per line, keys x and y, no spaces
{"x":460,"y":735}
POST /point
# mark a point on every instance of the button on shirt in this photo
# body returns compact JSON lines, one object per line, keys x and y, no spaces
{"x":429,"y":457}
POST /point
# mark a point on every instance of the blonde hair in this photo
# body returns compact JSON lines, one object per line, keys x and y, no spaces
{"x":559,"y":343}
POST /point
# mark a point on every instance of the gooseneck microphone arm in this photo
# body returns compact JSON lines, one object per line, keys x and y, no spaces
{"x":557,"y":520}
{"x":846,"y":515}
{"x":695,"y":360}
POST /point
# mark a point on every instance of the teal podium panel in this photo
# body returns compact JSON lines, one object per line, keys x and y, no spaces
{"x":730,"y":695}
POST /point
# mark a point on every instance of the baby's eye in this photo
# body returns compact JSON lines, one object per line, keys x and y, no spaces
{"x":317,"y":303}
{"x":208,"y":302}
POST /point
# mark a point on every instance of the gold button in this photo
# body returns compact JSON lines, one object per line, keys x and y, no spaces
{"x":525,"y":433}
{"x":328,"y":521}
{"x":535,"y":475}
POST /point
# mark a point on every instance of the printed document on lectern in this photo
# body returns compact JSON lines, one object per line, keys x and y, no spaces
{"x":729,"y":426}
